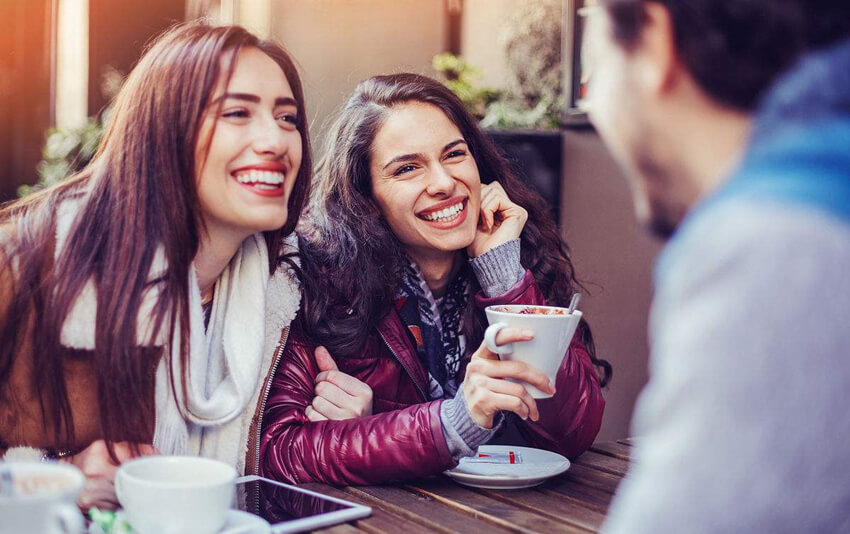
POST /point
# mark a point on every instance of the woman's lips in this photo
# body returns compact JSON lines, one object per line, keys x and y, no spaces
{"x":257,"y":190}
{"x":266,"y":181}
{"x":449,"y":221}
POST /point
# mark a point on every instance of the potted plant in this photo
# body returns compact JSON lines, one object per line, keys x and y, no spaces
{"x":67,"y":150}
{"x":524,"y":119}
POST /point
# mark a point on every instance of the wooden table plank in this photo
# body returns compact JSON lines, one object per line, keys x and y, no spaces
{"x":343,"y":528}
{"x":380,"y":522}
{"x":573,"y":510}
{"x":574,"y":502}
{"x":587,"y":496}
{"x":613,"y":449}
{"x":496,"y":511}
{"x":423,"y":510}
{"x":588,"y":476}
{"x":608,"y":464}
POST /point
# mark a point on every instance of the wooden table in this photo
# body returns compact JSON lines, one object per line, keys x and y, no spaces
{"x":574,"y":502}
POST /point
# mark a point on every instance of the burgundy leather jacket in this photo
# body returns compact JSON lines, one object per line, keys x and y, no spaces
{"x":404,"y":437}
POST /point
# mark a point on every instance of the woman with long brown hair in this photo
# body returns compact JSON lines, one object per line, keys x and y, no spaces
{"x":418,"y":224}
{"x":134,"y":296}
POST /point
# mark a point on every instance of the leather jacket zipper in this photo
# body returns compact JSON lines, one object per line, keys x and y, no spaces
{"x":406,"y":368}
{"x":275,"y":363}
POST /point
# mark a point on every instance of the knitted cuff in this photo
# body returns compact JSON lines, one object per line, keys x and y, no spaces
{"x":499,"y":269}
{"x":463,"y":435}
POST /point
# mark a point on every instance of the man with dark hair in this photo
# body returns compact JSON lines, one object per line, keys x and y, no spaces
{"x":732,"y":121}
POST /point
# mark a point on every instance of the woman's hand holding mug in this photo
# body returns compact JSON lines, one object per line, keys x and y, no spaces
{"x":487,"y":392}
{"x":99,"y":470}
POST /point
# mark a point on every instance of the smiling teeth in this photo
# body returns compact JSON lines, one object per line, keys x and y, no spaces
{"x":261,"y":179}
{"x":445,"y":214}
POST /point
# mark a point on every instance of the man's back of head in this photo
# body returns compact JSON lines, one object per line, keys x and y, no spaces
{"x":736,"y":49}
{"x":687,"y":74}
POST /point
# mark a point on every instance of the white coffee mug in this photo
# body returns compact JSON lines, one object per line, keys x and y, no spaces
{"x":553,"y":331}
{"x":175,"y":494}
{"x":40,"y":498}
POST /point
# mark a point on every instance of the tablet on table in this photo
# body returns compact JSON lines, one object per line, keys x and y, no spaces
{"x":292,"y":509}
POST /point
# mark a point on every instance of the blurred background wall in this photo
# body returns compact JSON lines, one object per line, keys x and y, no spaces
{"x":53,"y":57}
{"x":25,"y":90}
{"x":118,"y":32}
{"x":337,"y":43}
{"x":340,"y":42}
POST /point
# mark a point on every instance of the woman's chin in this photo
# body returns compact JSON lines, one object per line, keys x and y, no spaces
{"x":450,"y":245}
{"x":270,"y":224}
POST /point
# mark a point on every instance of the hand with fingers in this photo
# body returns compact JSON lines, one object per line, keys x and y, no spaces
{"x":500,"y":220}
{"x":338,"y":395}
{"x":487,"y":392}
{"x":99,"y":469}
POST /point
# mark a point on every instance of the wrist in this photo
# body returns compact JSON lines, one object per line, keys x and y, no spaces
{"x":468,"y":424}
{"x":499,"y":269}
{"x":482,"y":420}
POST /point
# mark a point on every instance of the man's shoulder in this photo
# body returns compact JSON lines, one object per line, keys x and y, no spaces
{"x":739,"y":231}
{"x":755,"y":286}
{"x":743,"y":261}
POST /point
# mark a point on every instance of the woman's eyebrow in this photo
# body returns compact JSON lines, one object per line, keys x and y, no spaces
{"x":454,"y":144}
{"x":411,"y":157}
{"x":248,"y":97}
{"x":402,"y":158}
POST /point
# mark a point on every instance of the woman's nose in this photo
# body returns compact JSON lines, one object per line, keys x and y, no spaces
{"x":270,"y":138}
{"x":440,"y":182}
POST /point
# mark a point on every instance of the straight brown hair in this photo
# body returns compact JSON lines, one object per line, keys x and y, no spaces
{"x":138,"y":194}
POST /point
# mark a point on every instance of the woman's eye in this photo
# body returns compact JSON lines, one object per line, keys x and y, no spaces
{"x":404,"y":169}
{"x":288,"y":119}
{"x":455,"y":154}
{"x":235,"y":113}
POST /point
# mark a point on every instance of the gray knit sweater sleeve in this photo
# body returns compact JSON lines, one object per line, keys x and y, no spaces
{"x":499,"y":269}
{"x":463,"y":435}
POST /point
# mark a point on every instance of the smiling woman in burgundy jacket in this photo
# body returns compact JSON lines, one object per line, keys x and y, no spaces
{"x":418,"y":225}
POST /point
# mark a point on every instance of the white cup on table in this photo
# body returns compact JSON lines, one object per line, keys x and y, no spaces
{"x":38,"y":497}
{"x":553,"y":328}
{"x":175,"y":494}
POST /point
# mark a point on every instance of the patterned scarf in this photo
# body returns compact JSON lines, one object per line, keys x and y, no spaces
{"x":435,"y":328}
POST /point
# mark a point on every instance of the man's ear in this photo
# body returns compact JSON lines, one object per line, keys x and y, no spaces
{"x":656,"y":61}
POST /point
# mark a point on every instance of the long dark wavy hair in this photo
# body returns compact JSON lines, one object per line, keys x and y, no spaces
{"x":138,"y":193}
{"x":352,"y":262}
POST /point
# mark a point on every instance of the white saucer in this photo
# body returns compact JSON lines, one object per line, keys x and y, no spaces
{"x":537,"y":465}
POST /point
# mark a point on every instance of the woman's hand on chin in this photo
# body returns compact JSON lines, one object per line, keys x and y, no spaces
{"x":487,"y":392}
{"x":338,"y":395}
{"x":99,"y":470}
{"x":500,"y":220}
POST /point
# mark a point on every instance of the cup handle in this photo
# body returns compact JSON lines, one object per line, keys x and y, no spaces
{"x":67,"y":519}
{"x":490,"y":339}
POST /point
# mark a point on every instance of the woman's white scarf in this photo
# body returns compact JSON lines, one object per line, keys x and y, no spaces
{"x":228,"y":361}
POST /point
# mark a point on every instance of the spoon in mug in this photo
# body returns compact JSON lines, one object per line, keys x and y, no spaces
{"x":574,"y":303}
